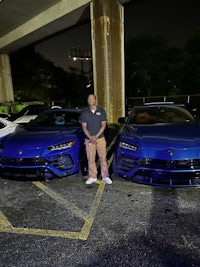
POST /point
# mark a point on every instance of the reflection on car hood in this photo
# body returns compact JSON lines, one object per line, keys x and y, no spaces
{"x":25,"y":139}
{"x":25,"y":119}
{"x":163,"y":135}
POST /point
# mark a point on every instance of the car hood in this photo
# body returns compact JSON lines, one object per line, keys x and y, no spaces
{"x":36,"y":142}
{"x":164,"y":137}
{"x":25,"y":119}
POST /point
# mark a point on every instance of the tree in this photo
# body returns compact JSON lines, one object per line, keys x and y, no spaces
{"x":35,"y":78}
{"x":190,"y":71}
{"x":150,"y":65}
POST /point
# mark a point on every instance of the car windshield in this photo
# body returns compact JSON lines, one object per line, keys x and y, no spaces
{"x":55,"y":119}
{"x":160,"y":114}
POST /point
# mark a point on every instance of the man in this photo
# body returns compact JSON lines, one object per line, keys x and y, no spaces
{"x":93,"y":120}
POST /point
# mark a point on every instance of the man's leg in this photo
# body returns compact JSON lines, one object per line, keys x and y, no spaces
{"x":91,"y":156}
{"x":101,"y":150}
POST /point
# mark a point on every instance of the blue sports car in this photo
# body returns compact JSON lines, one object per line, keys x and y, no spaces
{"x":159,"y":144}
{"x":51,"y":145}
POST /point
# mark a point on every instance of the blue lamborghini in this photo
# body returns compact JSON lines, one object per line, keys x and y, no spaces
{"x":51,"y":145}
{"x":159,"y":144}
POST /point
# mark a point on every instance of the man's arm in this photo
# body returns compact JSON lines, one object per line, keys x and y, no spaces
{"x":85,"y":130}
{"x":101,"y":130}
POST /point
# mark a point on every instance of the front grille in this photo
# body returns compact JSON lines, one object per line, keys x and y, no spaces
{"x":23,"y":161}
{"x":128,"y":163}
{"x":61,"y":162}
{"x":171,"y":164}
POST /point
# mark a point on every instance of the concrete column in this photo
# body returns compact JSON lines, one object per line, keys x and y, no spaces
{"x":6,"y":86}
{"x":107,"y":29}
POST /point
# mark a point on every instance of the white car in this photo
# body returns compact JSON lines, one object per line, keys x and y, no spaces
{"x":7,"y":127}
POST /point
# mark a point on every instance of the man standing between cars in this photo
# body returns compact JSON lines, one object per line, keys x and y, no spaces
{"x":93,"y":120}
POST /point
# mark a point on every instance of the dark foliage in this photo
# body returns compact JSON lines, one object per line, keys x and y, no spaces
{"x":35,"y":78}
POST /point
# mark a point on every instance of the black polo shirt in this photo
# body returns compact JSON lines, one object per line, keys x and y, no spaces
{"x":93,"y":120}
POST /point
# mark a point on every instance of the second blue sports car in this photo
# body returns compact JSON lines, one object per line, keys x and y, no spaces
{"x":52,"y":145}
{"x":159,"y":145}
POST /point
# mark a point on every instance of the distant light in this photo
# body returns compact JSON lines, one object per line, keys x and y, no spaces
{"x":77,"y":54}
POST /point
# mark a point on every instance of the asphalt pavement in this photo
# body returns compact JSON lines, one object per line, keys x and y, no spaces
{"x":65,"y":223}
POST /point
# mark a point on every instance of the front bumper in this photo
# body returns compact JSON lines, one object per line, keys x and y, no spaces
{"x":159,"y":172}
{"x":60,"y":165}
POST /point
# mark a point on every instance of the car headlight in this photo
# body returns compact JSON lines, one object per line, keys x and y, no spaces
{"x":128,"y":146}
{"x":62,"y":146}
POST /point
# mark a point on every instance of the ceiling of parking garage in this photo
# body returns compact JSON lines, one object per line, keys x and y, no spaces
{"x":15,"y":13}
{"x":19,"y":17}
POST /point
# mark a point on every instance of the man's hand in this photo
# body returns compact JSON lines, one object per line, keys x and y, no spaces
{"x":93,"y":139}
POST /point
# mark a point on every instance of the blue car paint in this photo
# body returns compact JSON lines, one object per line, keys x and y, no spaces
{"x":29,"y":151}
{"x":162,"y":148}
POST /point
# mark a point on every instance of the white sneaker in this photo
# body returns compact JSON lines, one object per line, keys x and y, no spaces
{"x":91,"y":180}
{"x":107,"y":180}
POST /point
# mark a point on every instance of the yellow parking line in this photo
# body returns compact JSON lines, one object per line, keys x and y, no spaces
{"x":4,"y":223}
{"x":89,"y":221}
{"x":110,"y":160}
{"x":6,"y":226}
{"x":68,"y":205}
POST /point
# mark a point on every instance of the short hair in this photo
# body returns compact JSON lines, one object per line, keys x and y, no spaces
{"x":92,"y":95}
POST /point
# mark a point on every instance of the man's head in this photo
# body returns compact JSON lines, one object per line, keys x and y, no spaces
{"x":91,"y":100}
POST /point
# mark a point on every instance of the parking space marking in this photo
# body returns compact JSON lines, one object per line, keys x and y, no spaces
{"x":4,"y":223}
{"x":7,"y":227}
{"x":95,"y":204}
{"x":68,"y":205}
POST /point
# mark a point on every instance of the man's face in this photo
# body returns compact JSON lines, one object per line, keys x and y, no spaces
{"x":91,"y":100}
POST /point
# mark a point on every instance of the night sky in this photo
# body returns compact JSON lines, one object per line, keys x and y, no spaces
{"x":175,"y":20}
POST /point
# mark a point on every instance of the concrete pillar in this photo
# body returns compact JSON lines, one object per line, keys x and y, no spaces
{"x":6,"y":86}
{"x":107,"y":29}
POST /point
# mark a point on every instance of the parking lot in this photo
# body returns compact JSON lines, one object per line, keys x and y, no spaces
{"x":65,"y":223}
